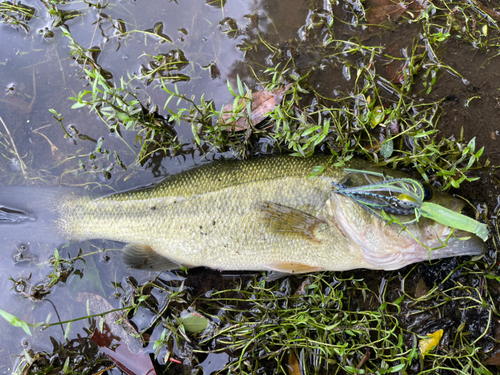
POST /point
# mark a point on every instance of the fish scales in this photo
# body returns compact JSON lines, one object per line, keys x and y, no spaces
{"x":260,"y":214}
{"x":207,"y":216}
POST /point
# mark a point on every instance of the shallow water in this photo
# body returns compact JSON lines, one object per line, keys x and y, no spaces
{"x":37,"y":74}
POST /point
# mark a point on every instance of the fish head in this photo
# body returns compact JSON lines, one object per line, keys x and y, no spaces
{"x":389,"y":246}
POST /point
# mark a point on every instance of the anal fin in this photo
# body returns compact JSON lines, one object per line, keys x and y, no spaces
{"x":143,"y":257}
{"x":282,"y":269}
{"x":290,"y":221}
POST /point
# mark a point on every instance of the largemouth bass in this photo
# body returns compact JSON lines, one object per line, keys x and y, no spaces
{"x":261,"y":214}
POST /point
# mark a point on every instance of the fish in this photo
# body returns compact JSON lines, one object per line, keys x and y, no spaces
{"x":262,"y":214}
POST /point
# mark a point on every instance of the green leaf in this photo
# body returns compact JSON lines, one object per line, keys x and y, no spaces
{"x":123,"y":116}
{"x":326,"y":127}
{"x":472,"y":145}
{"x":399,"y":300}
{"x":194,"y":322}
{"x":15,"y":321}
{"x":492,"y":277}
{"x":66,"y":366}
{"x":230,"y":88}
{"x":351,"y":369}
{"x":78,"y":105}
{"x":480,"y":152}
{"x":240,"y":86}
{"x":377,"y":116}
{"x":396,"y":368}
{"x":311,"y":130}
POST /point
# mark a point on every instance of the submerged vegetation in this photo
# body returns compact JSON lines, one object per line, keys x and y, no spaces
{"x":346,"y":86}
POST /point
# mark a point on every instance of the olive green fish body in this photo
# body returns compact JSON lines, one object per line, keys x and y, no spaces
{"x":262,"y":214}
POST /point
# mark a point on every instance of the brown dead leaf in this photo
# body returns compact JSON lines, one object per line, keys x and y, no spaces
{"x":417,"y":5}
{"x":421,"y":289}
{"x":293,"y":366}
{"x":120,"y":354}
{"x":301,"y":290}
{"x":381,"y":11}
{"x":118,"y":338}
{"x":18,"y":104}
{"x":493,"y":360}
{"x":118,"y":325}
{"x":263,"y":102}
{"x":490,"y":12}
{"x":397,"y":69}
{"x":384,"y":11}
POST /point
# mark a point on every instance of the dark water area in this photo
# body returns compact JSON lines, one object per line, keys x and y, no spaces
{"x":210,"y":43}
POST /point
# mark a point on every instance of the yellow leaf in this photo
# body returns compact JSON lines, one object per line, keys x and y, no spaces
{"x":429,"y":342}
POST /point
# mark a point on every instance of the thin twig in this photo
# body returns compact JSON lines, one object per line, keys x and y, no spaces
{"x":21,"y":163}
{"x":106,"y":369}
{"x":364,"y":359}
{"x":34,"y":88}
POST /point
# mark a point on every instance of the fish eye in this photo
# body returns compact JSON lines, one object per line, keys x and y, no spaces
{"x":427,"y":192}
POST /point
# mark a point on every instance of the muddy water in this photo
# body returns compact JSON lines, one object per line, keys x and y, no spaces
{"x":220,"y":40}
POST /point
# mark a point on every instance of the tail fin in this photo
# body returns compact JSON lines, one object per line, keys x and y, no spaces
{"x":28,"y":214}
{"x":12,"y":216}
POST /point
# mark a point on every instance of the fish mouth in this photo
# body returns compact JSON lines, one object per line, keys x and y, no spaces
{"x":461,"y":243}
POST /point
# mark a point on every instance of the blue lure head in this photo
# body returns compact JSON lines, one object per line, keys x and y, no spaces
{"x":398,"y":196}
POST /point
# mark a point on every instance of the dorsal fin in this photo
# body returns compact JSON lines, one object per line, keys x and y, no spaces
{"x":290,"y":221}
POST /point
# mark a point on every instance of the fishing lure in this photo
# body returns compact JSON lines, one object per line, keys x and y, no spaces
{"x":406,"y":197}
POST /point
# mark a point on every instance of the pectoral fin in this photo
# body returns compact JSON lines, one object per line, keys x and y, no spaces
{"x":290,"y":221}
{"x":282,"y":269}
{"x":143,"y":257}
